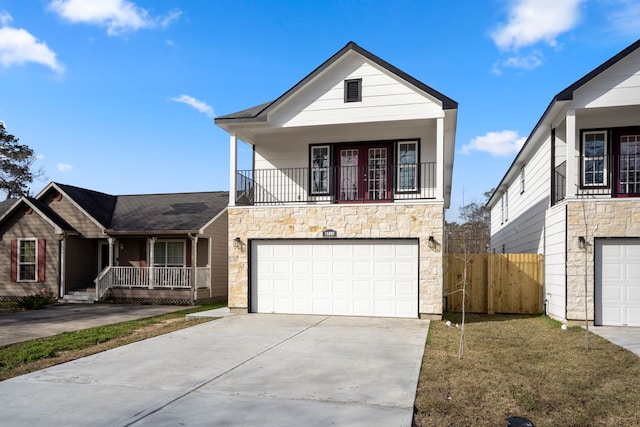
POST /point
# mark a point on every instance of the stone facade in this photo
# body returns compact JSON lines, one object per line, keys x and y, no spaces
{"x":364,"y":221}
{"x":593,"y":219}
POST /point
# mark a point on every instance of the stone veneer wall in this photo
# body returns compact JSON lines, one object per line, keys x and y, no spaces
{"x":350,"y":221}
{"x":603,"y":218}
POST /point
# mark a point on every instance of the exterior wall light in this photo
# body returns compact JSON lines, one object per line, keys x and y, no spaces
{"x":237,"y":243}
{"x":432,"y":242}
{"x":582,"y":242}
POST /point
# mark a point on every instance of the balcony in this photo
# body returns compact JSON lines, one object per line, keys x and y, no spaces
{"x":614,"y":175}
{"x":343,"y":184}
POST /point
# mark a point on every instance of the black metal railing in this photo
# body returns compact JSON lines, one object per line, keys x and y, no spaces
{"x":559,"y":184}
{"x":336,"y":184}
{"x":615,"y":175}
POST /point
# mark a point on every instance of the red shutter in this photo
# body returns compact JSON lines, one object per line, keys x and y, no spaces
{"x":188,"y":255}
{"x":143,"y":253}
{"x":14,"y":260}
{"x":42,"y":260}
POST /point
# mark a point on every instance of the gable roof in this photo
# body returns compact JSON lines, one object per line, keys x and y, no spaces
{"x":562,"y":97}
{"x":57,"y":222}
{"x":98,"y":205}
{"x":5,"y":205}
{"x":259,"y":113}
{"x":185,"y":212}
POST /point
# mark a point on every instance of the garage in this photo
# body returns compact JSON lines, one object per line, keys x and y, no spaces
{"x":617,"y":282}
{"x":351,"y":277}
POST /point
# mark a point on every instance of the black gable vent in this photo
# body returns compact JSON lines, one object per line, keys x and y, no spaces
{"x":353,"y":90}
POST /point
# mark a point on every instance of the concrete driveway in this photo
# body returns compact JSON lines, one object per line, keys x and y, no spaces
{"x":256,"y":369}
{"x":625,"y":336}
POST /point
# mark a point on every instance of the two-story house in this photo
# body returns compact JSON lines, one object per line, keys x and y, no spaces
{"x":343,"y":210}
{"x":572,"y":194}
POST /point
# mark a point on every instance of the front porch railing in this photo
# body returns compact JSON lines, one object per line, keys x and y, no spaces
{"x":150,"y":278}
{"x":343,"y":184}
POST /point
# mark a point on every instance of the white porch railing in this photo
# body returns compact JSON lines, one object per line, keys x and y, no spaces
{"x":150,"y":278}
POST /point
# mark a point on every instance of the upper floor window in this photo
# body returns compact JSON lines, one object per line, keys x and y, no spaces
{"x":522,"y":180}
{"x":353,"y":90}
{"x":594,"y":160}
{"x":320,"y":169}
{"x":407,"y":166}
{"x":169,"y":253}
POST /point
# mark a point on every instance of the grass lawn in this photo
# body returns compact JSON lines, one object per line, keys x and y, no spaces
{"x":29,"y":356}
{"x":525,"y":366}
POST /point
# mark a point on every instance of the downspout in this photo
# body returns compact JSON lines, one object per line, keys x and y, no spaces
{"x":63,"y":259}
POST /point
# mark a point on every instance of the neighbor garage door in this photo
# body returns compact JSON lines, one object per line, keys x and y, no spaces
{"x":617,"y":282}
{"x":359,"y":277}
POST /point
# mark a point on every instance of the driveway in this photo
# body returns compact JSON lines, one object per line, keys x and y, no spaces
{"x":625,"y":336}
{"x":255,"y":369}
{"x":58,"y":318}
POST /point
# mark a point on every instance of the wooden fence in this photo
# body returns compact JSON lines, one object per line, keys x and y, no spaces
{"x":496,"y":283}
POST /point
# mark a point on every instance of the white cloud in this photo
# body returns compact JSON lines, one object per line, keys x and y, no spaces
{"x":534,"y":21}
{"x":498,"y":144}
{"x":198,"y":105}
{"x":5,"y":18}
{"x":18,"y":46}
{"x":64,"y":167}
{"x":525,"y":62}
{"x":118,"y":16}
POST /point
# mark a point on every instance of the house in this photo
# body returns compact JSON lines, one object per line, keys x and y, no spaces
{"x":342,"y":211}
{"x":151,"y":248}
{"x":572,"y":194}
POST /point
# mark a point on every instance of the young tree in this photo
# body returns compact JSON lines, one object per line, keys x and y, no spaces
{"x":16,"y":162}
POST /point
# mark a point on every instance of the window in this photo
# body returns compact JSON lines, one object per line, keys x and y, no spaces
{"x":522,"y":180}
{"x":320,"y":170}
{"x":353,"y":90}
{"x":27,"y":256}
{"x":594,"y":165}
{"x":506,"y":206}
{"x":407,"y":166}
{"x":169,"y":253}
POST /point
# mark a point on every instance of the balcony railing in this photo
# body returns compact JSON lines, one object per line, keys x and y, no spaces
{"x":150,"y":278}
{"x":559,"y":184}
{"x":336,"y":184}
{"x":615,"y":175}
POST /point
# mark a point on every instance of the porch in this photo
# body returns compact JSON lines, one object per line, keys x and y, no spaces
{"x":197,"y":279}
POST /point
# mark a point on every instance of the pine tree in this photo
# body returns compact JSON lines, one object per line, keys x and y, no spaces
{"x":16,"y":162}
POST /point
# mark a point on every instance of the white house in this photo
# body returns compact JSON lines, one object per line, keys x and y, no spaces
{"x":343,"y":210}
{"x":573,"y":194}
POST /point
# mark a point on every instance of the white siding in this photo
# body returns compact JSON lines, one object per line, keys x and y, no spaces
{"x":617,"y":86}
{"x":523,"y":232}
{"x":384,"y":98}
{"x":555,"y":261}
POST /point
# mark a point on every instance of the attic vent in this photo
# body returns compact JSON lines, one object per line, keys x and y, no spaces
{"x":353,"y":90}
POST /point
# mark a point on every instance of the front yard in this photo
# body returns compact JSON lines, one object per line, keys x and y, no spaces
{"x":525,"y":366}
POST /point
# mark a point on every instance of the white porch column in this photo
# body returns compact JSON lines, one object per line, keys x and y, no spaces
{"x":439,"y":158}
{"x":572,"y":156}
{"x":233,"y":167}
{"x":210,"y":265}
{"x":63,"y":263}
{"x":152,"y":243}
{"x":194,"y":266}
{"x":111,"y":241}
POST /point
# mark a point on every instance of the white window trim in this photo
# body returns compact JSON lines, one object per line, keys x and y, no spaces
{"x":19,"y":249}
{"x":414,"y":165}
{"x":184,"y":253}
{"x":604,"y":163}
{"x":326,"y":169}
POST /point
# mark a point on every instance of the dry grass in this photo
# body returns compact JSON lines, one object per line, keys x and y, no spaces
{"x":526,"y":367}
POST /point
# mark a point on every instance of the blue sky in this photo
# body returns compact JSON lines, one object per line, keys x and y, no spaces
{"x":119,"y":95}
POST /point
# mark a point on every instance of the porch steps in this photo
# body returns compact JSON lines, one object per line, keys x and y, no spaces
{"x":80,"y":296}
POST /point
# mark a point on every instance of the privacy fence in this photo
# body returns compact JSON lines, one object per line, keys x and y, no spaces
{"x":496,"y":283}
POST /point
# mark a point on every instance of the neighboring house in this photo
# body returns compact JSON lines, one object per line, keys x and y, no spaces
{"x":573,"y":195}
{"x":343,"y":210}
{"x":160,"y":248}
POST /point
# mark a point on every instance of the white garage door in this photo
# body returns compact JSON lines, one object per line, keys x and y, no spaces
{"x":338,"y":277}
{"x":617,"y":282}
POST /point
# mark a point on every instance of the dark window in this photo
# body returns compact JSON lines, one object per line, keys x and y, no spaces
{"x":353,"y":90}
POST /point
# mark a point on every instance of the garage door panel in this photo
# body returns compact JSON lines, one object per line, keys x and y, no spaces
{"x":349,"y":277}
{"x":617,"y":282}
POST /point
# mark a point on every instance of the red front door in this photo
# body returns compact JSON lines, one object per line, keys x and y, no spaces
{"x":364,"y":173}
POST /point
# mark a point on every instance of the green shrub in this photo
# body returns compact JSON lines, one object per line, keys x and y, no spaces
{"x":37,"y":300}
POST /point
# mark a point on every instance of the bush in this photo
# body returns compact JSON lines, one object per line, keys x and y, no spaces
{"x":37,"y":300}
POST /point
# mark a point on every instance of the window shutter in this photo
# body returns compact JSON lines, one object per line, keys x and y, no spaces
{"x":42,"y":260}
{"x":14,"y":260}
{"x":143,"y":253}
{"x":188,"y":253}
